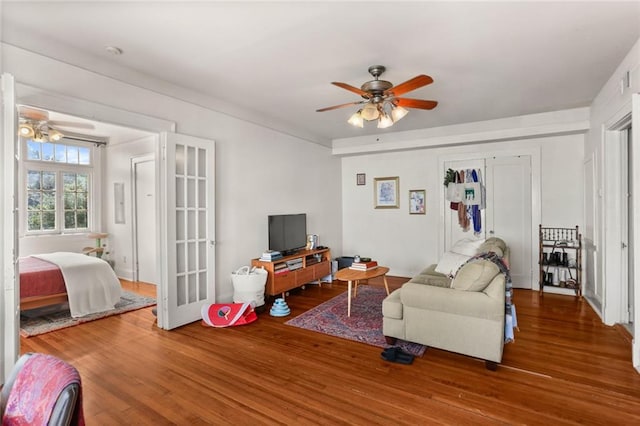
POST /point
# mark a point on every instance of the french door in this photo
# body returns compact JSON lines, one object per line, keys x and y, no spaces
{"x":188,"y":253}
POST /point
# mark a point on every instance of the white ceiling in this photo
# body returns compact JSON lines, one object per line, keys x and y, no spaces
{"x":272,"y":62}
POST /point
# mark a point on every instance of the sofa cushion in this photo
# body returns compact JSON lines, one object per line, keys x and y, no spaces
{"x":475,"y":276}
{"x":467,"y":246}
{"x":431,"y":270}
{"x":438,"y":280}
{"x":450,"y":263}
{"x":469,"y":304}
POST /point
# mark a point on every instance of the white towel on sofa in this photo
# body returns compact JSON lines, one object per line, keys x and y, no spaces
{"x":92,"y":286}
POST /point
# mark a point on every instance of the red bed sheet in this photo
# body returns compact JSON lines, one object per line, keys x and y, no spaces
{"x":39,"y":278}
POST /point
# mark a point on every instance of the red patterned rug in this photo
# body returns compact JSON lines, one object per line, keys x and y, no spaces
{"x":364,"y":325}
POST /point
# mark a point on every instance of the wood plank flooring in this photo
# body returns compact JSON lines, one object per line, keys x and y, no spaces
{"x":565,"y":367}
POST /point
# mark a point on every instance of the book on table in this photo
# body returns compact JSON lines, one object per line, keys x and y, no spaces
{"x":364,"y":266}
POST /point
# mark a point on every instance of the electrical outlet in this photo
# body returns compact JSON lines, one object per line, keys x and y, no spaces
{"x":124,"y":259}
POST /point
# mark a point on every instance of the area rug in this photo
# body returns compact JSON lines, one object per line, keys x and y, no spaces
{"x":364,"y":325}
{"x":47,"y":319}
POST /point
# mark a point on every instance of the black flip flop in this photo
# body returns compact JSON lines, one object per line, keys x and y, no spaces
{"x":397,"y":355}
{"x":392,"y":350}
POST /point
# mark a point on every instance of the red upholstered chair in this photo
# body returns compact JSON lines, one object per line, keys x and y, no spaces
{"x":42,"y":390}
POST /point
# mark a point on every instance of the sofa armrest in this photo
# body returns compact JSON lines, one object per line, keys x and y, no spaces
{"x":477,"y":304}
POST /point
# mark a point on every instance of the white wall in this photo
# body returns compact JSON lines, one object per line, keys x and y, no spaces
{"x":258,"y":171}
{"x":118,"y":169}
{"x":408,"y":243}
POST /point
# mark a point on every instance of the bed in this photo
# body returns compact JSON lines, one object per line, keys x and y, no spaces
{"x":41,"y":283}
{"x":87,"y":283}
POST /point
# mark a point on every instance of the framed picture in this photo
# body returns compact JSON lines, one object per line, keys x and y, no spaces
{"x":386,"y":192}
{"x":361,"y":179}
{"x":417,"y":201}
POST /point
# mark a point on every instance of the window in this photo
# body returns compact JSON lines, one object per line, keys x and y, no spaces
{"x":58,"y":187}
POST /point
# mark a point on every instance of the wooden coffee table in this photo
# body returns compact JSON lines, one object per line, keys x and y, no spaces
{"x":353,"y":275}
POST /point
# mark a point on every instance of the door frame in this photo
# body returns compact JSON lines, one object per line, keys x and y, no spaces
{"x":536,"y":204}
{"x":9,"y":250}
{"x":614,"y":302}
{"x":134,"y":209}
{"x":46,"y":100}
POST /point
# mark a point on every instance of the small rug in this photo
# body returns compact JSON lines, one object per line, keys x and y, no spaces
{"x":364,"y":325}
{"x":51,"y":318}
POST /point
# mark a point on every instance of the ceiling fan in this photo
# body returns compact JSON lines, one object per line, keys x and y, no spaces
{"x":381,"y":99}
{"x":35,"y":125}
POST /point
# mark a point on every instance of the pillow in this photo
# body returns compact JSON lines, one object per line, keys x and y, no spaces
{"x":475,"y":276}
{"x":467,"y":246}
{"x":450,"y":262}
{"x":488,"y":247}
{"x":497,"y":241}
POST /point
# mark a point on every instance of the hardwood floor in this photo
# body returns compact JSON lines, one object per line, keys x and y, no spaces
{"x":565,"y":367}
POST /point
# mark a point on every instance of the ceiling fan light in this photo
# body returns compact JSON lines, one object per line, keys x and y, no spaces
{"x":370,"y":112}
{"x":25,"y":130}
{"x":398,"y":112}
{"x":356,"y":119}
{"x":55,"y":135}
{"x":38,"y":136}
{"x":384,"y":121}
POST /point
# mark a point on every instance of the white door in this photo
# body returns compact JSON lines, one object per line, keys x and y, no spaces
{"x":453,"y":231}
{"x":146,"y":265}
{"x":508,"y":212}
{"x":188,"y":229}
{"x":9,"y":300}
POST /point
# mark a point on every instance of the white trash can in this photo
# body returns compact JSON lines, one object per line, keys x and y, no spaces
{"x":248,"y":285}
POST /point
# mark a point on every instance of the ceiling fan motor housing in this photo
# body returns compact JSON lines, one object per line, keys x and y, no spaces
{"x":376,"y":87}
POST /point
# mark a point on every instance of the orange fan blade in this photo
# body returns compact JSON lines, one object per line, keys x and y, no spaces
{"x":409,"y":85}
{"x":352,"y":89}
{"x":415,"y":103}
{"x":33,"y":113}
{"x":338,"y":106}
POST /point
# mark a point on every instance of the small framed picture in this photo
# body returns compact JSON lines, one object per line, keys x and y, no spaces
{"x":361,"y":179}
{"x":386,"y":192}
{"x":417,"y":201}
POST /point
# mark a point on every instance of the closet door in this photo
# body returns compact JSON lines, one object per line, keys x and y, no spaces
{"x":453,"y":231}
{"x":508,"y":212}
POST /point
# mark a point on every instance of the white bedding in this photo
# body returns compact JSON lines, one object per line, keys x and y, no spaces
{"x":92,"y":286}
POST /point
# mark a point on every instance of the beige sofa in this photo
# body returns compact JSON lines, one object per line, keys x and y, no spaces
{"x":464,"y":314}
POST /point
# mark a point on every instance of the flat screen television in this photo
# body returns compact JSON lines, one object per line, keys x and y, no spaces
{"x":287,"y":232}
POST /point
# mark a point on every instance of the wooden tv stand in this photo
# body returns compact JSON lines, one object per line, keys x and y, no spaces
{"x":311,"y":270}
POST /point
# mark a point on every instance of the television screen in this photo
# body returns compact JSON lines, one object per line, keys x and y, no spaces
{"x":287,"y":232}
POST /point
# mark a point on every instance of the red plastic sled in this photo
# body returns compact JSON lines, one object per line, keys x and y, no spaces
{"x":228,"y":314}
